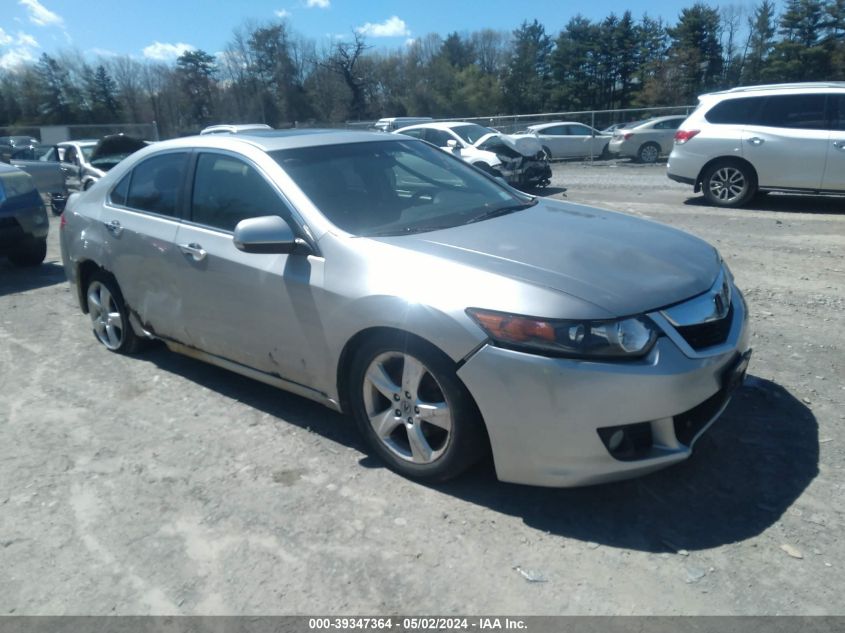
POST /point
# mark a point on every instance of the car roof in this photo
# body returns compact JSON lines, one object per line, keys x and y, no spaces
{"x":83,"y":142}
{"x":538,"y":126}
{"x":234,"y":128}
{"x":440,"y":125}
{"x":806,"y":85}
{"x":272,"y":140}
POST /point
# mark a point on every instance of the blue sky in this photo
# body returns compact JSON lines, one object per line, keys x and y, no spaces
{"x":162,"y":29}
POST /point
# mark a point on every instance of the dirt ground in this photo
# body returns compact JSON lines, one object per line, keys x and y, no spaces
{"x":160,"y":485}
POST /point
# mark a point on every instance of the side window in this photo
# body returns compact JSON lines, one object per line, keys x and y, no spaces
{"x":801,"y":111}
{"x":227,"y":190}
{"x":119,"y":193}
{"x":156,"y":183}
{"x":672,"y":124}
{"x":438,"y":137}
{"x":70,"y":156}
{"x":418,"y":133}
{"x":837,"y":111}
{"x":556,"y":130}
{"x":580,"y":130}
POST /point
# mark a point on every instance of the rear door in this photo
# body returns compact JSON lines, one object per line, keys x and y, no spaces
{"x":788,"y":140}
{"x":834,"y":172}
{"x":244,"y":307}
{"x":556,"y":140}
{"x":140,"y":218}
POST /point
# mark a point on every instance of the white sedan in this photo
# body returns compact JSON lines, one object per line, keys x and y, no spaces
{"x":562,"y":139}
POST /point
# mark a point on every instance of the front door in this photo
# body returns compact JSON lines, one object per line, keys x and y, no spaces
{"x":244,"y":307}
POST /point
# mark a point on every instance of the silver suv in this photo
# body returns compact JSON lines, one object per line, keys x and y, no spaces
{"x":786,"y":137}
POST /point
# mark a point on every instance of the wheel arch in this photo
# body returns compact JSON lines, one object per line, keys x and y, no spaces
{"x":347,"y":354}
{"x":726,"y":159}
{"x":84,"y":271}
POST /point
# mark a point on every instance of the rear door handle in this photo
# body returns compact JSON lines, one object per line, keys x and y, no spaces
{"x":114,"y":227}
{"x":839,"y":145}
{"x":197,"y":252}
{"x":756,"y":140}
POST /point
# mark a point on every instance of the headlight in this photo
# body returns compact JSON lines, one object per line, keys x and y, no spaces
{"x":577,"y":339}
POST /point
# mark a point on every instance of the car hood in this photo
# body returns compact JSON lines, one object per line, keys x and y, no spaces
{"x":526,"y":145}
{"x":620,"y":263}
{"x":116,"y":144}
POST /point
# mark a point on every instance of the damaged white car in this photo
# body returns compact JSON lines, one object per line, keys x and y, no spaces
{"x":520,"y":161}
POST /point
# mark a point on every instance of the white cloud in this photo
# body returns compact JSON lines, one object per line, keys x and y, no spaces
{"x":15,"y":57}
{"x":5,"y":38}
{"x":391,"y":27}
{"x":101,"y":52}
{"x":25,"y":39}
{"x":281,"y":13}
{"x":41,"y":15}
{"x":166,"y":52}
{"x":410,"y":41}
{"x":320,"y":4}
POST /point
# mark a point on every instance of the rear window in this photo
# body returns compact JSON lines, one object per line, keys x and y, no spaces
{"x":156,"y":183}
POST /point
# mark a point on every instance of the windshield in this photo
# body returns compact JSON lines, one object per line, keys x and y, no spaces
{"x":395,"y":187}
{"x":471,"y":132}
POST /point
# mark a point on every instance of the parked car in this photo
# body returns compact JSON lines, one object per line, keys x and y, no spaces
{"x":647,"y":141}
{"x":565,"y":139}
{"x":786,"y":137}
{"x":234,"y":128}
{"x":391,"y":124}
{"x":48,"y":178}
{"x":107,"y":153}
{"x":10,"y":145}
{"x":74,"y":158}
{"x":520,"y":161}
{"x":23,"y":220}
{"x":450,"y":314}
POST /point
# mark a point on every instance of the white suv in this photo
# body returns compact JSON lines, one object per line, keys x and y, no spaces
{"x":786,"y":137}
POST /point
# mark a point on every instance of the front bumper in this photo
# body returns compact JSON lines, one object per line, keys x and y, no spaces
{"x":543,"y":414}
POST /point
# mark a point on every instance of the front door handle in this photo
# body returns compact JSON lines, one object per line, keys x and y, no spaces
{"x":756,"y":140}
{"x":114,"y":228}
{"x":839,"y":145}
{"x":197,"y":252}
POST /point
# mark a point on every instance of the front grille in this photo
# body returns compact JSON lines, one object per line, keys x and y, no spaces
{"x":689,"y":423}
{"x":707,"y":334}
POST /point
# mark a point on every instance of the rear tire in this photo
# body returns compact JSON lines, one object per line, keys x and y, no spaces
{"x":648,"y":153}
{"x":109,"y":316}
{"x":31,"y":255}
{"x":413,"y":410}
{"x":729,"y":183}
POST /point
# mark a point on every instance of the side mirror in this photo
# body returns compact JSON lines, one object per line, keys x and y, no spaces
{"x":452,"y":144}
{"x":267,"y":234}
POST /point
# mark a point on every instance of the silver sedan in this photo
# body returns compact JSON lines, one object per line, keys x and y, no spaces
{"x":449,"y":314}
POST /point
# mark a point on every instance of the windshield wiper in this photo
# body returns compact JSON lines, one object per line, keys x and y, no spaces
{"x":495,"y":213}
{"x":409,"y":230}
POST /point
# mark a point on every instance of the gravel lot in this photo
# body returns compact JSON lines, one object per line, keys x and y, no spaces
{"x":158,"y":484}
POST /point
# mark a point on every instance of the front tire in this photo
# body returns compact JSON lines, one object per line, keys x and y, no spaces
{"x":31,"y":255}
{"x":729,"y":183}
{"x":413,"y":410}
{"x":109,"y":316}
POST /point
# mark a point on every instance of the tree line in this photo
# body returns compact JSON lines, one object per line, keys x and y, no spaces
{"x":269,"y":73}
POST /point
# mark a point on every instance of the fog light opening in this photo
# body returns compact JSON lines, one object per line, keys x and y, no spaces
{"x":615,"y":440}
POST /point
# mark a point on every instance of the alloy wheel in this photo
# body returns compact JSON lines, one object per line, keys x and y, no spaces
{"x":649,"y":154}
{"x":105,"y":316}
{"x":407,"y":408}
{"x":728,"y":184}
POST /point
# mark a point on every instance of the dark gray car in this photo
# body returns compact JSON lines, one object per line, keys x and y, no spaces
{"x":450,"y":314}
{"x":23,"y":220}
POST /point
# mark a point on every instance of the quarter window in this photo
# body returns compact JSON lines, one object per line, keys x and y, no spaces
{"x":735,"y":111}
{"x":155,"y":184}
{"x":118,"y":194}
{"x":227,"y":190}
